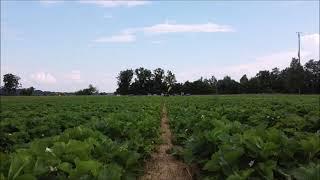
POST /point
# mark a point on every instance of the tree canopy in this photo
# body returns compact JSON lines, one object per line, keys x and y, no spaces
{"x":11,"y":83}
{"x":141,"y":81}
{"x":88,"y":91}
{"x":293,"y":79}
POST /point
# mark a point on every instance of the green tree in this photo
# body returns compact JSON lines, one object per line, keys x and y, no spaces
{"x":244,"y":83}
{"x":27,"y":91}
{"x":124,"y":81}
{"x":88,"y":91}
{"x":276,"y":80}
{"x":264,"y":80}
{"x":11,"y":83}
{"x":312,"y":76}
{"x":213,"y":83}
{"x":143,"y":81}
{"x":170,"y":80}
{"x":228,"y":86}
{"x":295,"y":76}
{"x":158,"y":85}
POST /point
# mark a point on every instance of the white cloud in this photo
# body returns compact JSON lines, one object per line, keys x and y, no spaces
{"x":182,"y":28}
{"x":121,"y":38}
{"x":281,"y":59}
{"x":48,"y":2}
{"x":75,"y":75}
{"x":42,"y":77}
{"x":128,"y":35}
{"x":310,"y":44}
{"x":115,"y":3}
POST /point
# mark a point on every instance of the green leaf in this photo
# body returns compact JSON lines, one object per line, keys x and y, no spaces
{"x":40,"y":167}
{"x":110,"y":172}
{"x":79,"y":149}
{"x":84,"y":167}
{"x":26,"y":177}
{"x":241,"y":175}
{"x":232,"y":154}
{"x":65,"y":167}
{"x":267,"y":168}
{"x":311,"y":145}
{"x":213,"y":164}
{"x":19,"y":161}
{"x":311,"y":172}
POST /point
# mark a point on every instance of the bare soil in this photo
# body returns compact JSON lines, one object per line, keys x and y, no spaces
{"x":163,"y":166}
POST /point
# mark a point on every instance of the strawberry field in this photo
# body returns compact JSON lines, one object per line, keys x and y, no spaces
{"x":77,"y":137}
{"x":219,"y":137}
{"x":248,"y":137}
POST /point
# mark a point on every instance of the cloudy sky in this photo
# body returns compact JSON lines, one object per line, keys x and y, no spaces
{"x":65,"y":45}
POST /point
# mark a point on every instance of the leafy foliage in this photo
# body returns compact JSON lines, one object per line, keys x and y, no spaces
{"x":248,"y":137}
{"x":77,"y":137}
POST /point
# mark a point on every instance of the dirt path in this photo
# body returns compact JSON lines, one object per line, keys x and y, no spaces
{"x":163,"y":166}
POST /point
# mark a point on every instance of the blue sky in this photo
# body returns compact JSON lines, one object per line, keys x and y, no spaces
{"x":65,"y":45}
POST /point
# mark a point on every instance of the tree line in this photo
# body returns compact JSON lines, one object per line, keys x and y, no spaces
{"x":141,"y":81}
{"x":12,"y":86}
{"x":293,"y":79}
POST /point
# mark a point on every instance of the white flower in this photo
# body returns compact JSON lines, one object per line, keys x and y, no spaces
{"x":42,"y":135}
{"x":48,"y":150}
{"x":53,"y":168}
{"x":10,"y":134}
{"x":251,"y":163}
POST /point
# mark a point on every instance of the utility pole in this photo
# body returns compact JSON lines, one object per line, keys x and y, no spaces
{"x":299,"y":54}
{"x":299,"y":46}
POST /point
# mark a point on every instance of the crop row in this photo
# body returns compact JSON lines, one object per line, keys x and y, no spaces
{"x":77,"y":137}
{"x":248,"y":137}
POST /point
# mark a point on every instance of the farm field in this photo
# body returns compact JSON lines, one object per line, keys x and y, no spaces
{"x":77,"y":137}
{"x":109,"y":137}
{"x":248,"y":137}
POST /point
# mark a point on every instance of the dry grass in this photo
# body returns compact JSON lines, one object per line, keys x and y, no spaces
{"x":163,"y":166}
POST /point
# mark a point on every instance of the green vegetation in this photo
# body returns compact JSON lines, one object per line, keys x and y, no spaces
{"x":241,"y":137}
{"x":293,"y":79}
{"x":83,"y":137}
{"x":101,"y":137}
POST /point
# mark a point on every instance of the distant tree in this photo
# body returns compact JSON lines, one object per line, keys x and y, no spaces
{"x":142,"y":83}
{"x":244,"y":79}
{"x":158,"y":85}
{"x":228,"y":86}
{"x":11,"y":83}
{"x":244,"y":83}
{"x":27,"y":91}
{"x":277,"y":84}
{"x":170,"y":80}
{"x":253,"y":85}
{"x":187,"y":87}
{"x":177,"y":88}
{"x":293,"y":79}
{"x":312,"y":76}
{"x":264,"y":80}
{"x":88,"y":91}
{"x":124,"y":81}
{"x":295,"y":76}
{"x":213,"y":83}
